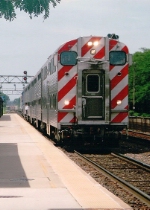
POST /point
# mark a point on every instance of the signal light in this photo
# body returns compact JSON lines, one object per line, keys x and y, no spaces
{"x":25,"y":78}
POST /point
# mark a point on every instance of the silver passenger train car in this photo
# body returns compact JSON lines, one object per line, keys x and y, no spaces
{"x":81,"y":93}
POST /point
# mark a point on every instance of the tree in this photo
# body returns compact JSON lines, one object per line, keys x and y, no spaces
{"x":16,"y":102}
{"x":32,"y":7}
{"x":4,"y":97}
{"x":139,"y":81}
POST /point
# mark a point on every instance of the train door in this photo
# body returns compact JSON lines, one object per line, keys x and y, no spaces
{"x":93,"y":95}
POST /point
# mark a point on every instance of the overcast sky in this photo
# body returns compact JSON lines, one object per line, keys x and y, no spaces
{"x":25,"y":44}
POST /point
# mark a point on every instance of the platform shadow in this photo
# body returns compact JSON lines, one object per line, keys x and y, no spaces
{"x":5,"y":117}
{"x":12,"y":174}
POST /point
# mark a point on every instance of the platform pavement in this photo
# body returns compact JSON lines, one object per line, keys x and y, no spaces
{"x":35,"y":175}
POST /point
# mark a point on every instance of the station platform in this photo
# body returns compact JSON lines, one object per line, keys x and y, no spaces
{"x":36,"y":175}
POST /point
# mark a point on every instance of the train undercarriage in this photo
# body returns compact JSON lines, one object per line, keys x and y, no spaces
{"x":80,"y":136}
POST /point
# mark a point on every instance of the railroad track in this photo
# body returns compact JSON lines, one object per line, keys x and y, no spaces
{"x":131,"y":174}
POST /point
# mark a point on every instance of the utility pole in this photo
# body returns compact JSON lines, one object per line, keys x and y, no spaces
{"x":134,"y":65}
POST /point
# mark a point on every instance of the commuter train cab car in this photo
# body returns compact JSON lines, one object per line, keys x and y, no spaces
{"x":81,"y":93}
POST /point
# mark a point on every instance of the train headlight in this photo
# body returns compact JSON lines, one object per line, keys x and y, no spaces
{"x":95,"y":43}
{"x":119,"y":102}
{"x":93,"y":52}
{"x":66,"y":102}
{"x":90,"y":43}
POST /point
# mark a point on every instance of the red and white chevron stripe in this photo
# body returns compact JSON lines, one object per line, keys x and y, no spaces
{"x":100,"y":48}
{"x":67,"y":85}
{"x":119,"y":86}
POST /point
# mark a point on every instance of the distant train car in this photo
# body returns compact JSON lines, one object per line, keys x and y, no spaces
{"x":81,"y":92}
{"x":1,"y":106}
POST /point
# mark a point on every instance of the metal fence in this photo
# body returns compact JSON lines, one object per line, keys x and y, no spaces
{"x":139,"y":123}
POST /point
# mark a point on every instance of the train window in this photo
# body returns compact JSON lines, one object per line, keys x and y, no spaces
{"x":42,"y":74}
{"x":43,"y":102}
{"x":53,"y":67}
{"x":92,"y":83}
{"x":55,"y":59}
{"x":68,"y":58}
{"x":51,"y":101}
{"x":35,"y":80}
{"x":117,"y":57}
{"x":49,"y":67}
{"x":54,"y":101}
{"x":39,"y":76}
{"x":45,"y":72}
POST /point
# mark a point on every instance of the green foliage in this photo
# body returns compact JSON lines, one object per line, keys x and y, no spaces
{"x":139,"y":81}
{"x":131,"y":113}
{"x":7,"y":10}
{"x":145,"y":115}
{"x":32,"y":7}
{"x":136,"y":114}
{"x":4,"y":96}
{"x":16,"y":102}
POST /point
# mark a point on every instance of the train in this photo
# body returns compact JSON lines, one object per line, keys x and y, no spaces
{"x":1,"y":106}
{"x":80,"y":94}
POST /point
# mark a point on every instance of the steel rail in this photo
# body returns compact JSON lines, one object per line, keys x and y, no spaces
{"x":131,"y":160}
{"x":138,"y":193}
